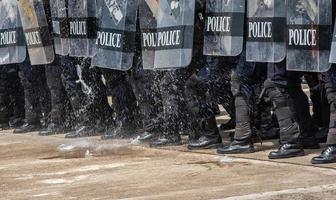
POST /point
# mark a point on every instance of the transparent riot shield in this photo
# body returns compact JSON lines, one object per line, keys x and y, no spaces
{"x":309,"y":26}
{"x":266,"y":31}
{"x":167,"y":31}
{"x":116,"y":34}
{"x":59,"y":20}
{"x":332,"y":58}
{"x":12,"y":42}
{"x":82,"y":27}
{"x":224,"y":27}
{"x":35,"y":27}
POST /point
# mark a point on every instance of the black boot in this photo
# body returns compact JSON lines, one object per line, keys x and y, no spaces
{"x":236,"y":147}
{"x":166,"y":141}
{"x":287,"y":151}
{"x":205,"y":142}
{"x":27,"y":127}
{"x":327,"y":156}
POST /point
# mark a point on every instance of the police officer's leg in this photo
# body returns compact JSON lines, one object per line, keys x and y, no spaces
{"x":203,"y":116}
{"x":32,"y":99}
{"x":264,"y":121}
{"x":4,"y":99}
{"x":143,"y":84}
{"x":57,"y":115}
{"x":78,"y":100}
{"x":242,"y":80}
{"x":16,"y":93}
{"x":277,"y":88}
{"x":220,"y":86}
{"x":321,"y":107}
{"x":44,"y":93}
{"x":307,"y":126}
{"x":123,"y":104}
{"x":171,"y":90}
{"x":99,"y":110}
{"x":242,"y":139}
{"x":329,"y":153}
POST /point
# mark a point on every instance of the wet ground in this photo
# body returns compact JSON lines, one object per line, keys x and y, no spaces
{"x":35,"y":167}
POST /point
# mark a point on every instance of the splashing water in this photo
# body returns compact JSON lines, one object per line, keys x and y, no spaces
{"x":90,"y":148}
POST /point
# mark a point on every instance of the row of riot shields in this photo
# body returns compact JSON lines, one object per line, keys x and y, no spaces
{"x":23,"y":26}
{"x":298,"y":30}
{"x":106,"y":30}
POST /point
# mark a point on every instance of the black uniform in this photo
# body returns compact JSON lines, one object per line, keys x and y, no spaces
{"x":11,"y":97}
{"x":182,"y":88}
{"x":37,"y":97}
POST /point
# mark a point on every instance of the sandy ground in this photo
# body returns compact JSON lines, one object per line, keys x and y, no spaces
{"x":34,"y":167}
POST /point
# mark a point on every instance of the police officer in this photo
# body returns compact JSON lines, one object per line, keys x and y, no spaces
{"x":53,"y":71}
{"x":243,"y":79}
{"x":328,"y":155}
{"x":211,"y":90}
{"x":183,"y":88}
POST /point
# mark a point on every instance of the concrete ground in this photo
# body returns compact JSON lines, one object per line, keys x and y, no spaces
{"x":35,"y":167}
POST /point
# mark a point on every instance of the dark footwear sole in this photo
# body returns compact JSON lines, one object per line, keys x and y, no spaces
{"x":287,"y":156}
{"x":321,"y":163}
{"x":211,"y":146}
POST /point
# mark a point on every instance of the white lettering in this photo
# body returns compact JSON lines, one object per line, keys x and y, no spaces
{"x":162,"y":38}
{"x":302,"y":37}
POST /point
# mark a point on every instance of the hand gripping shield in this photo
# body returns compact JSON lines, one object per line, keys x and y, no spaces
{"x":224,"y":27}
{"x":266,"y":31}
{"x":36,"y":31}
{"x":116,"y":34}
{"x":167,"y":31}
{"x":309,"y":26}
{"x":12,"y":42}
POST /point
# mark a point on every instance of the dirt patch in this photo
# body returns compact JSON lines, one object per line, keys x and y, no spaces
{"x":32,"y":167}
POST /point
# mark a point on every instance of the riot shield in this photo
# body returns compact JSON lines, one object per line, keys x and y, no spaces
{"x":116,"y":34}
{"x":12,"y":42}
{"x":224,"y":27}
{"x":167,"y":31}
{"x":82,"y":27}
{"x":59,"y":20}
{"x":309,"y":26}
{"x":266,"y":31}
{"x":35,"y":27}
{"x":332,"y":58}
